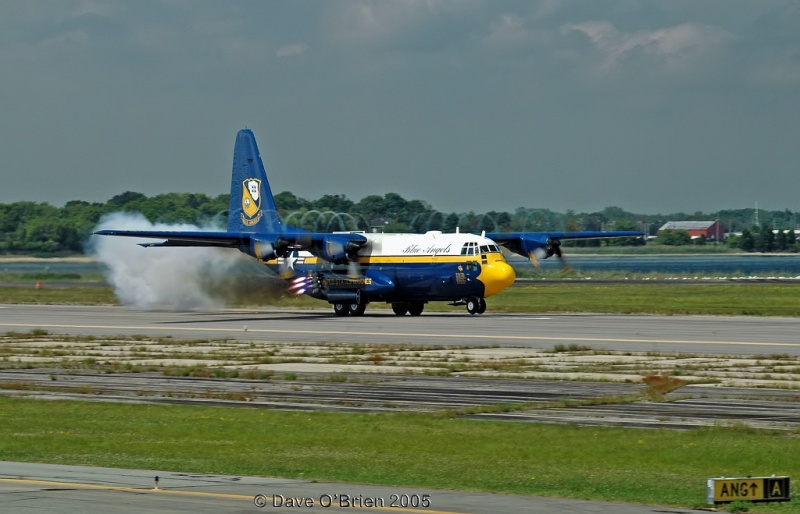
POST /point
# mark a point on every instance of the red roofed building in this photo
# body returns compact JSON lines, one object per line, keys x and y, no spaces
{"x":711,"y":230}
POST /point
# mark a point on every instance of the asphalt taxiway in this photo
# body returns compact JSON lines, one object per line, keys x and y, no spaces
{"x":735,"y":335}
{"x":45,"y":488}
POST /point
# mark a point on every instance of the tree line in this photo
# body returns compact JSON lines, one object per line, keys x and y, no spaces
{"x":31,"y":228}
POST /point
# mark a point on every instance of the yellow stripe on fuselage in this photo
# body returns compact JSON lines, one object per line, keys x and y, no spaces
{"x":496,"y":274}
{"x":407,"y":259}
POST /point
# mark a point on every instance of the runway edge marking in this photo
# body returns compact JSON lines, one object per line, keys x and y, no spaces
{"x":409,"y":334}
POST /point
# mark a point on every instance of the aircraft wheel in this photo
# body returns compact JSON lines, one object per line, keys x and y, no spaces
{"x":357,"y":309}
{"x":400,"y":308}
{"x":415,"y":308}
{"x":482,"y":307}
{"x":473,"y":305}
{"x":341,"y":309}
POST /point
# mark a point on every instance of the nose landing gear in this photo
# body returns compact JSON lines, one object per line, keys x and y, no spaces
{"x":476,"y":305}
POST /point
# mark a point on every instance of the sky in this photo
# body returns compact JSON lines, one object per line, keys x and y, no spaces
{"x":651,"y":106}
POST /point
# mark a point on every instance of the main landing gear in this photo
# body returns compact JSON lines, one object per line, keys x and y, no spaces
{"x":413,"y":308}
{"x":476,"y":305}
{"x":351,"y":309}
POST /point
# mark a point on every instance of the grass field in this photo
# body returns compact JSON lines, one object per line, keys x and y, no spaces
{"x":751,"y":299}
{"x":729,"y":299}
{"x":647,"y":466}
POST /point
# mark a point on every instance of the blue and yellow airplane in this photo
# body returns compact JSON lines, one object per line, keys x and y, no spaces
{"x":351,"y":269}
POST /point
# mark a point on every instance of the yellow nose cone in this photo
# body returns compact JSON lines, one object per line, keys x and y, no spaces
{"x":496,"y":276}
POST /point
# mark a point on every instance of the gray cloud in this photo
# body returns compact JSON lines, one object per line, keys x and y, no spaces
{"x":652,"y":106}
{"x":677,"y":48}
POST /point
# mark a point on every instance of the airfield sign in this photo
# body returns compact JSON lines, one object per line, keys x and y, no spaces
{"x":754,"y":489}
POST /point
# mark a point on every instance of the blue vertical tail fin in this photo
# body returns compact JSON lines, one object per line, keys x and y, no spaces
{"x":252,"y":207}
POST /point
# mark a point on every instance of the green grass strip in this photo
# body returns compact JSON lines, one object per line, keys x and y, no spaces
{"x":427,"y":450}
{"x":58,"y":295}
{"x":751,"y":299}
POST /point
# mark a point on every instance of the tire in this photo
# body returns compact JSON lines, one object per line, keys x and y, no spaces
{"x":416,"y":308}
{"x":482,"y":306}
{"x":341,"y":309}
{"x":400,"y":308}
{"x":473,"y":305}
{"x":357,"y":309}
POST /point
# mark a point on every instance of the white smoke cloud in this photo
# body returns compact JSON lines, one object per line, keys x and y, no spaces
{"x":170,"y":278}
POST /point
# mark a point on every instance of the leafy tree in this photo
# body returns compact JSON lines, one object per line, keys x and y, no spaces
{"x":34,"y":227}
{"x":335,"y":203}
{"x":371,"y":207}
{"x":504,"y":222}
{"x":625,"y":241}
{"x":765,"y":240}
{"x":450,"y":223}
{"x":396,"y":228}
{"x":747,"y":242}
{"x":124,"y":199}
{"x":781,"y":241}
{"x":673,"y":237}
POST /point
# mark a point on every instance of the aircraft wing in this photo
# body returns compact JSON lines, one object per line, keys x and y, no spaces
{"x":331,"y":247}
{"x":174,"y":238}
{"x":526,"y":243}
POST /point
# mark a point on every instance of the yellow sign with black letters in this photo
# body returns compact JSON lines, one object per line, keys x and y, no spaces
{"x":754,"y":489}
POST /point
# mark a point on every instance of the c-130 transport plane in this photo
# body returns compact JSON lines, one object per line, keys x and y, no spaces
{"x":351,"y":269}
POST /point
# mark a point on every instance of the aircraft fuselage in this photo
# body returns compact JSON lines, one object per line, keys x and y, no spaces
{"x":403,"y":269}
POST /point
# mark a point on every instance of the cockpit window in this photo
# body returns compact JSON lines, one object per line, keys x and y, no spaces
{"x":470,"y":248}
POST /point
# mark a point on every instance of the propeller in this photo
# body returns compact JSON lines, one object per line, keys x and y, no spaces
{"x":353,"y":269}
{"x":536,"y":255}
{"x":554,"y":248}
{"x":551,"y":247}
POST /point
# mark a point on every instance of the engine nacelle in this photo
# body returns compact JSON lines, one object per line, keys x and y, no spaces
{"x":338,"y":248}
{"x":529,"y":245}
{"x":541,"y":247}
{"x":266,"y":250}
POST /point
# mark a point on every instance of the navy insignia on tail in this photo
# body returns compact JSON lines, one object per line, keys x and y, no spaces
{"x":251,"y":201}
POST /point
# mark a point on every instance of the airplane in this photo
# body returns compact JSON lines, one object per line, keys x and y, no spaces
{"x":351,"y":269}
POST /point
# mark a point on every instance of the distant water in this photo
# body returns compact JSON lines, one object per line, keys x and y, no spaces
{"x":48,"y":266}
{"x":699,"y":264}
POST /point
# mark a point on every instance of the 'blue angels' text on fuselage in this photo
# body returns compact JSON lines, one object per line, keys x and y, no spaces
{"x":431,"y":250}
{"x":351,"y":269}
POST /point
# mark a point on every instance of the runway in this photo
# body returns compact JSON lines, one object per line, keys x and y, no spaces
{"x":45,"y":488}
{"x":693,"y":334}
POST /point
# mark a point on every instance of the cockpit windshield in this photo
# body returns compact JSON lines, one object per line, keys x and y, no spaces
{"x":472,"y":248}
{"x":469,"y":248}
